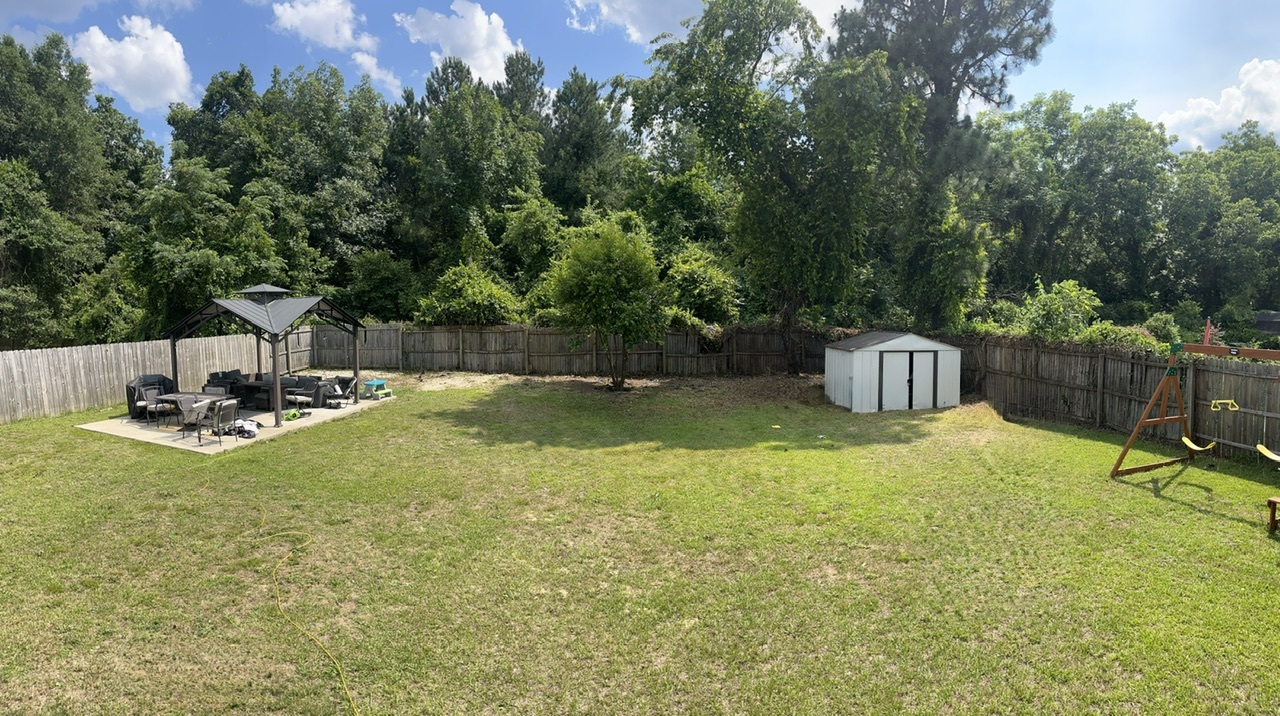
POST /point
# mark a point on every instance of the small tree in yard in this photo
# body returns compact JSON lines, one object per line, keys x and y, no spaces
{"x":606,"y":284}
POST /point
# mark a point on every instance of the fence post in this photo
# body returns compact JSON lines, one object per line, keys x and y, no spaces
{"x":400,"y":341}
{"x":1191,"y":399}
{"x":461,"y":342}
{"x":733,"y":352}
{"x":1102,"y":387}
{"x":526,"y":350}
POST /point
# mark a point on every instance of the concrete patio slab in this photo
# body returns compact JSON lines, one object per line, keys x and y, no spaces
{"x":171,"y":436}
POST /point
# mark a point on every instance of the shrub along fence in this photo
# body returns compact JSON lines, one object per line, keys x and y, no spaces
{"x":53,"y":381}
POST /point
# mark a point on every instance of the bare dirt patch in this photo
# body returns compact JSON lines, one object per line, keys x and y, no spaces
{"x":802,"y":389}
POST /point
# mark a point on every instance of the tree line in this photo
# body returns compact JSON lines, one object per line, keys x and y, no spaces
{"x":761,"y":172}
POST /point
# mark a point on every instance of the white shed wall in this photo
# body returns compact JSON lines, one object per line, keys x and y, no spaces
{"x":948,"y":378}
{"x":836,"y":377}
{"x":866,"y":381}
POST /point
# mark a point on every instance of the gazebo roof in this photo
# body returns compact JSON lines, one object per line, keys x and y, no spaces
{"x":274,"y":317}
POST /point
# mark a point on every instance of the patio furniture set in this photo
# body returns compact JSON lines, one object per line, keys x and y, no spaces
{"x":215,"y":408}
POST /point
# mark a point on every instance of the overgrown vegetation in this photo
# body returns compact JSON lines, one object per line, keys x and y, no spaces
{"x":551,"y":547}
{"x":782,"y":175}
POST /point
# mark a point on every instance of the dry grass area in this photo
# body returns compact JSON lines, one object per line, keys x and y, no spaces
{"x":524,"y":544}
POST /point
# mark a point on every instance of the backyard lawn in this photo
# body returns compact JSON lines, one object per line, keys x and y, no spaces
{"x":702,"y":547}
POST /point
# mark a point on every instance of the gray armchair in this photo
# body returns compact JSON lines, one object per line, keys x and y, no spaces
{"x":219,"y":419}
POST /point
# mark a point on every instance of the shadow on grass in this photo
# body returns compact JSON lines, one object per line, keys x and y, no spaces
{"x":581,"y":415}
{"x":1159,"y":481}
{"x":1159,"y":487}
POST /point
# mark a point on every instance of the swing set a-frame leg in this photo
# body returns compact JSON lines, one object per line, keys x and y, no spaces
{"x":1168,"y":385}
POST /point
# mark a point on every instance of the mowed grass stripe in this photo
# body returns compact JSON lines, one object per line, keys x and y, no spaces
{"x":549,"y":547}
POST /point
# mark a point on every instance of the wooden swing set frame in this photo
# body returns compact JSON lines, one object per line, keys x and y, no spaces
{"x":1169,"y":387}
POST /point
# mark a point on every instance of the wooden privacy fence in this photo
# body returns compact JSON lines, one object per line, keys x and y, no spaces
{"x":1097,"y":387}
{"x":1110,"y":388}
{"x":551,"y":351}
{"x":53,"y":381}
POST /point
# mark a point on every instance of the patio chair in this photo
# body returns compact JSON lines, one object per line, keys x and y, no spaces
{"x":152,"y":406}
{"x":192,"y":411}
{"x":306,"y":394}
{"x":219,"y":419}
{"x":342,"y":389}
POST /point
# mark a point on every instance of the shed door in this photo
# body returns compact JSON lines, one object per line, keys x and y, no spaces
{"x":895,"y":380}
{"x":923,"y":375}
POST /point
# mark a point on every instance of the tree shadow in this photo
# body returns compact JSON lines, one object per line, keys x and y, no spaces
{"x":687,"y":415}
{"x":1159,"y":487}
{"x":1161,"y":481}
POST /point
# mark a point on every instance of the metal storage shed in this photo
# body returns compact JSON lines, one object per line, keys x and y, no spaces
{"x":882,"y":370}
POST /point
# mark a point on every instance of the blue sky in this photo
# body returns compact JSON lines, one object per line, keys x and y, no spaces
{"x":1201,"y":68}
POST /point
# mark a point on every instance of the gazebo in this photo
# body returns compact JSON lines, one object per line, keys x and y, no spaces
{"x":271,"y":316}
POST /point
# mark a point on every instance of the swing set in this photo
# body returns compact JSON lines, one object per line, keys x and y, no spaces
{"x":1169,"y":388}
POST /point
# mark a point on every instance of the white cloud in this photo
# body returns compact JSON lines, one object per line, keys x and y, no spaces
{"x":643,"y":20}
{"x":28,"y":38}
{"x":1257,"y":96}
{"x":329,"y":23}
{"x":166,"y":7}
{"x":50,"y":10}
{"x":368,"y":65}
{"x":147,"y":68}
{"x":480,"y":39}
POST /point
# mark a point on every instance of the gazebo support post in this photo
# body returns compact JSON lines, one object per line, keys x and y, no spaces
{"x":257,"y":344}
{"x":275,"y":379}
{"x":173,"y":360}
{"x":355,"y":342}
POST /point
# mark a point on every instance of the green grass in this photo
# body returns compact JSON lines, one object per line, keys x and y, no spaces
{"x":555,"y":548}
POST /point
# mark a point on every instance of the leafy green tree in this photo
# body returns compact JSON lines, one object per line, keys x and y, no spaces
{"x":42,"y":254}
{"x":584,"y":149}
{"x":814,"y":147}
{"x":471,"y":159}
{"x":951,"y":50}
{"x":467,"y":295}
{"x":531,"y":239}
{"x":46,"y":123}
{"x":228,"y":128}
{"x":1030,"y":202}
{"x":606,"y":286}
{"x":1120,"y":175}
{"x":702,"y":287}
{"x":1062,"y":312}
{"x":522,"y":93}
{"x":947,"y":52}
{"x":381,"y":286}
{"x":197,"y":245}
{"x":680,"y":208}
{"x":104,"y":307}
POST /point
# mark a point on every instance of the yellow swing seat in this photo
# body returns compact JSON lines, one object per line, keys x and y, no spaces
{"x":1192,"y":446}
{"x":1267,"y":453}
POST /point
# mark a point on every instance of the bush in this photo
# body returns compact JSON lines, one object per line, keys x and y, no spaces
{"x":467,"y":295}
{"x":1108,"y":334}
{"x":1163,"y":327}
{"x":701,"y":287}
{"x":1062,"y":312}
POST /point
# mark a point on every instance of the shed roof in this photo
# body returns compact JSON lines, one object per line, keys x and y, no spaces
{"x":872,"y":339}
